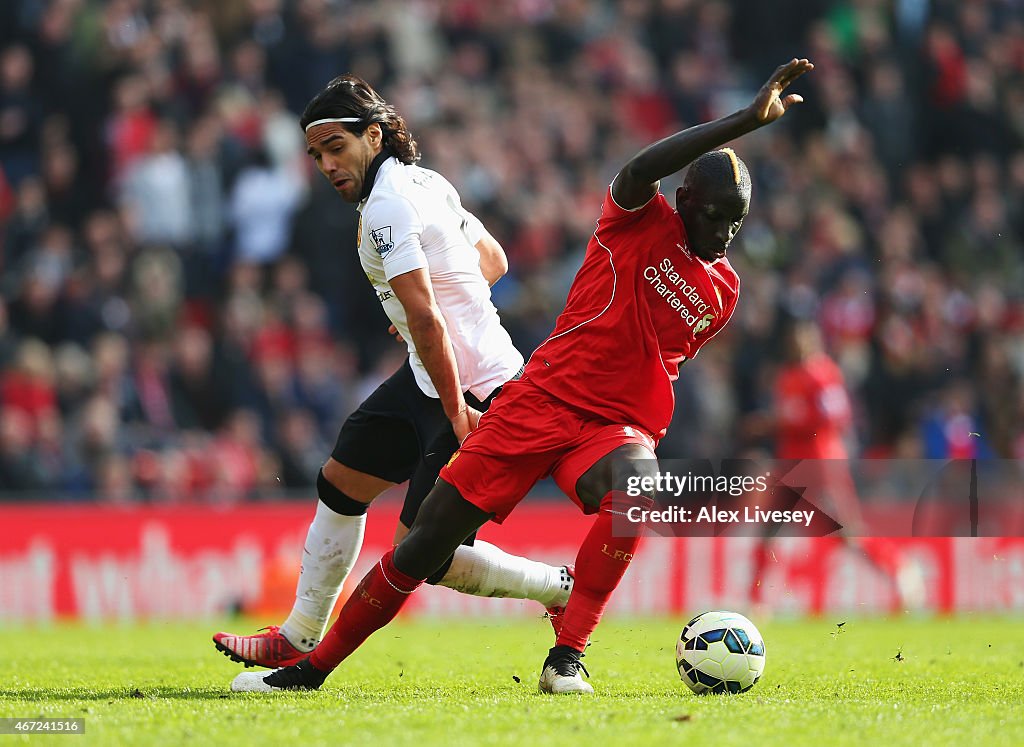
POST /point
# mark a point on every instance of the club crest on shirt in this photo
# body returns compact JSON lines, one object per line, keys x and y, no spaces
{"x":682,"y":295}
{"x":382,"y":240}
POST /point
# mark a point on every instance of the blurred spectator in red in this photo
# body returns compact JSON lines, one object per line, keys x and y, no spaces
{"x":131,"y":127}
{"x":236,"y":458}
{"x":28,"y":387}
{"x":152,"y":384}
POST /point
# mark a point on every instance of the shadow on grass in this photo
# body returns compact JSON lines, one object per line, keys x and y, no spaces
{"x":349,"y":692}
{"x":51,"y":694}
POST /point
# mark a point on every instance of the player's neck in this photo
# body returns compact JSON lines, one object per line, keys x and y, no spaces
{"x":371,"y":172}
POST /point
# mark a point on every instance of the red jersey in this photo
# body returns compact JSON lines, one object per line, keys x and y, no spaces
{"x":813,"y":410}
{"x":640,"y":306}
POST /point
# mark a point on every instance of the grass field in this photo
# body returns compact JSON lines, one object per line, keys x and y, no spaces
{"x":956,"y":681}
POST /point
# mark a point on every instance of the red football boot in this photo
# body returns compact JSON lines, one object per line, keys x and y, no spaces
{"x":265,"y":649}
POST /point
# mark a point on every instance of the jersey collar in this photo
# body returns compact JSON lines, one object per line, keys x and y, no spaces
{"x":371,"y":173}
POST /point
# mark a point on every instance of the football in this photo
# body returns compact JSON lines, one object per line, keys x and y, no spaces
{"x":720,"y":652}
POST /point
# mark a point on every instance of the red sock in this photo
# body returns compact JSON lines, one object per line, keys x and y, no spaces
{"x":883,"y":552}
{"x":601,"y":561}
{"x":373,"y":604}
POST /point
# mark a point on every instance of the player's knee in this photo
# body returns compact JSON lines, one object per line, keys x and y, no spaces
{"x":336,"y":500}
{"x":637,"y":478}
{"x":630,"y":468}
{"x":360,"y":486}
{"x":622,"y":501}
{"x":624,"y":480}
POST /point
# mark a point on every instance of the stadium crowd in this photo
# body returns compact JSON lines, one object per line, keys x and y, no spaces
{"x":183,"y":316}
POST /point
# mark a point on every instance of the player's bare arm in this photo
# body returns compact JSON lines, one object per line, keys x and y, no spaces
{"x":637,"y":182}
{"x":493,"y":262}
{"x":430,"y":336}
{"x":493,"y":266}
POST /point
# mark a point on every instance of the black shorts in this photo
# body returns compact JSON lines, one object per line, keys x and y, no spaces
{"x":389,"y":434}
{"x":399,"y":434}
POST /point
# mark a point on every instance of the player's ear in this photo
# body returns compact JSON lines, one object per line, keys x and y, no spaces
{"x":374,"y":134}
{"x":682,"y":193}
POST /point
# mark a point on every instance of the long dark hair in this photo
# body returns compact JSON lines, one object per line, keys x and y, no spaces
{"x":351,"y":96}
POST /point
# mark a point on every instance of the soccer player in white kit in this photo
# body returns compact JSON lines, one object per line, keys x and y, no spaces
{"x":431,"y":263}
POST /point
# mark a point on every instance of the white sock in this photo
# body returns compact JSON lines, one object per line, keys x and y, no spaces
{"x":332,"y":546}
{"x":484,"y":570}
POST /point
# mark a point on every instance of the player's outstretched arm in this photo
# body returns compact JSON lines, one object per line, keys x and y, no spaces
{"x":637,"y":182}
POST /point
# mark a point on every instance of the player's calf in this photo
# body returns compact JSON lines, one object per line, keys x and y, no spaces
{"x":600,"y":564}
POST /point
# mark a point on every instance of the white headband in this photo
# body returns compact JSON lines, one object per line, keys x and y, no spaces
{"x":336,"y":119}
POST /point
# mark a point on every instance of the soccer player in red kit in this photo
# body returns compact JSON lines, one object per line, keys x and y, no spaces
{"x":812,"y":406}
{"x":813,"y":418}
{"x":596,"y":396}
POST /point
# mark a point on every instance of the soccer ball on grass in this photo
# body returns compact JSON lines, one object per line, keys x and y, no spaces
{"x":720,"y":652}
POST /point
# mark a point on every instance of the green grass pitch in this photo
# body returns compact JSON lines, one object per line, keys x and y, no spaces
{"x":956,"y":681}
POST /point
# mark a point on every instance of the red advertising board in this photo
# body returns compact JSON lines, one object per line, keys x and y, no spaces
{"x":125,"y":563}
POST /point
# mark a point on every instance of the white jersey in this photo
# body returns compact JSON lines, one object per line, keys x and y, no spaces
{"x":414,"y":219}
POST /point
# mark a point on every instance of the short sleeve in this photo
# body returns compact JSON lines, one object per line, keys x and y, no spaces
{"x":394,"y":227}
{"x":611,"y":211}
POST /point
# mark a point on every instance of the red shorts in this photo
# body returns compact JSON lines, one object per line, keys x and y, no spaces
{"x":525,"y":436}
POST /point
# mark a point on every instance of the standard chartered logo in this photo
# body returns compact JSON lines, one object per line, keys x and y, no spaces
{"x":681,"y":296}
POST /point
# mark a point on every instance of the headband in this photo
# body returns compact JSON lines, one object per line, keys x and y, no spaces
{"x":334,"y":119}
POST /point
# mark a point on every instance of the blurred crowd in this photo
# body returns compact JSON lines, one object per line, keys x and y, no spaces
{"x":183,"y":317}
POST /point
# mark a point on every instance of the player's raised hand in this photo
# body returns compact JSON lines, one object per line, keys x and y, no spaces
{"x":770,"y":104}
